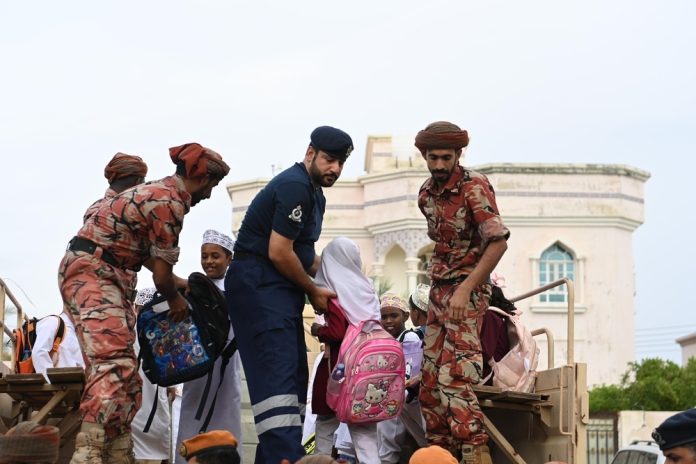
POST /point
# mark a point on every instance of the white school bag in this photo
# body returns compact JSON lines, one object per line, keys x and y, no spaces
{"x":516,"y":371}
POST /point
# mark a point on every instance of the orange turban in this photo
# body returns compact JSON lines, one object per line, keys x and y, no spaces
{"x":199,"y":161}
{"x":441,"y":134}
{"x":432,"y":454}
{"x":215,"y":439}
{"x":122,"y":165}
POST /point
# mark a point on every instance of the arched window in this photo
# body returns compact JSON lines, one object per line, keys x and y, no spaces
{"x":556,"y":263}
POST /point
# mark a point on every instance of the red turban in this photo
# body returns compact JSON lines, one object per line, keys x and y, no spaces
{"x":199,"y":161}
{"x":122,"y":165}
{"x":30,"y":442}
{"x":441,"y":134}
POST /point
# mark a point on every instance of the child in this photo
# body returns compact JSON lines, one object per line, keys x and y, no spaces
{"x":419,"y":301}
{"x":394,"y":434}
{"x":341,"y":271}
{"x":216,"y":256}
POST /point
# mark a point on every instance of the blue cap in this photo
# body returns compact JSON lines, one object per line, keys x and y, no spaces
{"x":678,"y":430}
{"x":333,"y":141}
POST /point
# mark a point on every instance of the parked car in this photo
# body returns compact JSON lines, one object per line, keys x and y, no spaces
{"x":639,"y":452}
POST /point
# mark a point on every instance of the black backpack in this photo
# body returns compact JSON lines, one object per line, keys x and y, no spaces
{"x":173,"y":353}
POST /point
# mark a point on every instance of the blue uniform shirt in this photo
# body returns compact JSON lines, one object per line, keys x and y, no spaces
{"x":289,"y":205}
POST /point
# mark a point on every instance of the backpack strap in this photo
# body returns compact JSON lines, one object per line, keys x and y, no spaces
{"x":151,"y":417}
{"x":226,"y":355}
{"x":416,"y":331}
{"x":58,"y":339}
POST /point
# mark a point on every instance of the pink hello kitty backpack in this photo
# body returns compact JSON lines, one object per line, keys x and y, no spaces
{"x":367,"y":383}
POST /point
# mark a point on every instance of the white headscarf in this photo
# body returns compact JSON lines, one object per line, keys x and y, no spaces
{"x":341,"y":271}
{"x":218,"y":238}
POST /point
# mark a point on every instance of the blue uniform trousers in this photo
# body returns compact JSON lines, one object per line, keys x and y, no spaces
{"x":266,"y":313}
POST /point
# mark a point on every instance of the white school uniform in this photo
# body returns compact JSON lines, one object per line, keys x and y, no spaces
{"x":69,"y":353}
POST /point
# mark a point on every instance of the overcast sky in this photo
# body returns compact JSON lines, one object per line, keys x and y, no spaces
{"x":543,"y":81}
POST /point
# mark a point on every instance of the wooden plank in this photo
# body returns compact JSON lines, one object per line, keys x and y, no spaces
{"x":25,"y":379}
{"x":526,"y":407}
{"x":42,"y":415}
{"x":70,"y":424}
{"x":46,"y":387}
{"x":59,"y":375}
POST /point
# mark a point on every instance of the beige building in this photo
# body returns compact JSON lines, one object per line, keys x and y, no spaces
{"x":573,"y":220}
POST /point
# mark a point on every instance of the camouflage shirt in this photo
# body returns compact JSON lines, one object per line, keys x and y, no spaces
{"x":109,"y":194}
{"x":142,"y":222}
{"x":462,"y":219}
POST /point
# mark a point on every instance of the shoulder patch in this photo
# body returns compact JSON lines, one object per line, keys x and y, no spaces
{"x":296,"y":214}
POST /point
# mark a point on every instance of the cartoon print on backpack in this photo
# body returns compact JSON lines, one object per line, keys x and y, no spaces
{"x":374,"y":397}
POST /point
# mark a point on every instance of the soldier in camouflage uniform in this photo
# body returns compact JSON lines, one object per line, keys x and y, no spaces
{"x":139,"y":227}
{"x":470,"y":238}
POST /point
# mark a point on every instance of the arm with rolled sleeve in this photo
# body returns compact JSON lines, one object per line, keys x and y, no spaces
{"x":481,"y":199}
{"x":45,"y":335}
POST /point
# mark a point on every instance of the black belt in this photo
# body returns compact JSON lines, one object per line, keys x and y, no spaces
{"x":243,"y":255}
{"x":88,"y":246}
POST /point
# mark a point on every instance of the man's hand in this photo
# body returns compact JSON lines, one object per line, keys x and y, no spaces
{"x":315,"y":329}
{"x":181,"y":284}
{"x":178,"y":308}
{"x":459,"y":302}
{"x":320,"y":299}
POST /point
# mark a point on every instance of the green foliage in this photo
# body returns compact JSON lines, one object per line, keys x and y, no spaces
{"x":382,"y":285}
{"x":650,"y":385}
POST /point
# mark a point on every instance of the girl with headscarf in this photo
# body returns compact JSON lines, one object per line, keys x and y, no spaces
{"x":341,"y":271}
{"x":216,"y":256}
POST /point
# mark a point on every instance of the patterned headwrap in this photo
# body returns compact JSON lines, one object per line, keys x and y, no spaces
{"x":421,"y":297}
{"x":199,"y":161}
{"x":30,"y":442}
{"x":218,"y":238}
{"x":441,"y":134}
{"x":145,"y":295}
{"x":392,"y":300}
{"x":122,"y":165}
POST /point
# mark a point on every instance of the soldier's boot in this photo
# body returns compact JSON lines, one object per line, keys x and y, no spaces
{"x":89,"y":444}
{"x":119,"y":450}
{"x":475,"y":454}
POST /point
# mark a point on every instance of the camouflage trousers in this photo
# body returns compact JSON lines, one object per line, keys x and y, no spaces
{"x":100,"y":300}
{"x":452,"y":363}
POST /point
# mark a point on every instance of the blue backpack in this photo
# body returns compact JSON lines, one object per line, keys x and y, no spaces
{"x":176,"y":352}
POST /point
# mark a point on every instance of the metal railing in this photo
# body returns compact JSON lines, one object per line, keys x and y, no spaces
{"x":5,"y":292}
{"x":570,"y":358}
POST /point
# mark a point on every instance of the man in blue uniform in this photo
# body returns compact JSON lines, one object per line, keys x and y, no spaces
{"x":266,"y":284}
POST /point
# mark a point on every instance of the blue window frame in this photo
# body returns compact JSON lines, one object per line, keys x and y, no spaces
{"x":555,"y":263}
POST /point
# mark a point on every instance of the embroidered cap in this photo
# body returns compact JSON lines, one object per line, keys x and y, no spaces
{"x":421,"y":297}
{"x":392,"y":300}
{"x":218,"y":238}
{"x":677,"y":430}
